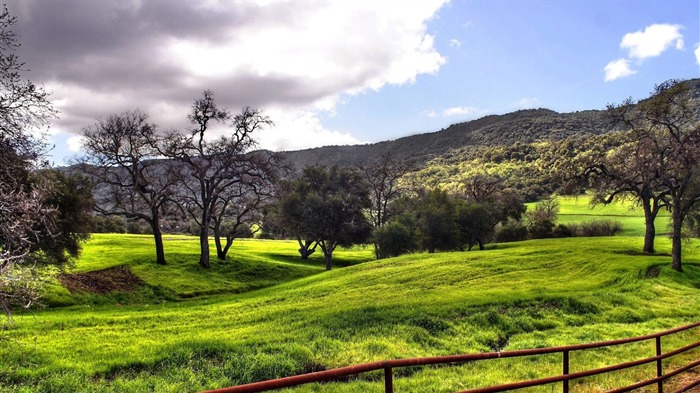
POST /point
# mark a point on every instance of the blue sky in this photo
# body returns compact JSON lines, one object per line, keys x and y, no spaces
{"x":348,"y":72}
{"x":512,"y":55}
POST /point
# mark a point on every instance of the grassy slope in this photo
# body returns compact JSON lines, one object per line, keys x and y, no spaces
{"x":529,"y":294}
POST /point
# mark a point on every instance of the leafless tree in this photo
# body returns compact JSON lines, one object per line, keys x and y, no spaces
{"x":210,"y":166}
{"x":239,"y":208}
{"x":130,"y":180}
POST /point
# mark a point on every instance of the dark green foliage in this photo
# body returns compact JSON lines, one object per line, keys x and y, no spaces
{"x":324,"y":207}
{"x":435,"y":212}
{"x":511,"y":231}
{"x":71,"y":196}
{"x":109,"y":224}
{"x":399,"y":236}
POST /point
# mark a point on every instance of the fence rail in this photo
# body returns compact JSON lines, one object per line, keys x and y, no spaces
{"x":564,"y":378}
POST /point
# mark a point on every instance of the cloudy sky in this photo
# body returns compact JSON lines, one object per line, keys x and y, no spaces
{"x":347,"y":72}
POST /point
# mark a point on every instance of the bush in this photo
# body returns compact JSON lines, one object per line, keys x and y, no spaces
{"x":110,"y":224}
{"x":511,"y":231}
{"x":596,"y":228}
{"x":563,"y":231}
{"x":397,"y":237}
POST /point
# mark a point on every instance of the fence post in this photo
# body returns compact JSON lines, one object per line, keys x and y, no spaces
{"x":659,"y":365}
{"x":565,"y":383}
{"x":388,"y":380}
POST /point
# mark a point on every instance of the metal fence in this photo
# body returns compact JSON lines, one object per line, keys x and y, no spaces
{"x":564,"y":378}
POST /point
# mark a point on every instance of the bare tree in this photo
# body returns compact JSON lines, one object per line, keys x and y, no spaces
{"x":130,"y":181}
{"x":211,"y":166}
{"x":239,"y":208}
{"x":384,"y":178}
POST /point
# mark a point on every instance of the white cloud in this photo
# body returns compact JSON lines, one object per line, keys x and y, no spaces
{"x":616,"y":69}
{"x":653,"y":41}
{"x":300,"y":130}
{"x":697,"y":53}
{"x":460,"y":110}
{"x":75,"y":143}
{"x":527,"y":103}
{"x":455,"y":42}
{"x":296,"y":59}
{"x":468,"y":111}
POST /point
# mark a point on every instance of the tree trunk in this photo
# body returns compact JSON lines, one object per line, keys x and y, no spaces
{"x":158,"y":238}
{"x":676,"y":237}
{"x":650,"y":228}
{"x":204,"y":243}
{"x":304,"y":249}
{"x":224,"y":251}
{"x":329,"y":257}
{"x":328,"y":253}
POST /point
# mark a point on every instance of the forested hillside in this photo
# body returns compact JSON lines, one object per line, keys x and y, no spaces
{"x":525,"y":126}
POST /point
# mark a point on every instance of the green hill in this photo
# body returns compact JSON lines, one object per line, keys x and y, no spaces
{"x":512,"y":296}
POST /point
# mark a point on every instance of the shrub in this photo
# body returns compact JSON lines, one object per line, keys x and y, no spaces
{"x":596,"y":228}
{"x":511,"y":231}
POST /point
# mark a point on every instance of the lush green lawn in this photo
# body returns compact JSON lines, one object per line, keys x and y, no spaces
{"x":579,"y":209}
{"x":511,"y":296}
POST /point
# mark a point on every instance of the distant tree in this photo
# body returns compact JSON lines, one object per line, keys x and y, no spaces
{"x":211,"y":166}
{"x":435,"y":213}
{"x":71,"y":197}
{"x":121,"y":158}
{"x":542,"y":219}
{"x":384,"y":177}
{"x":486,"y":204}
{"x":398,"y":236}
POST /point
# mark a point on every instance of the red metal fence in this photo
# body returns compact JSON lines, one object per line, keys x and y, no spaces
{"x":564,"y":378}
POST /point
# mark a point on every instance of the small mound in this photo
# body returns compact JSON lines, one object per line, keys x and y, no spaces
{"x":119,"y":279}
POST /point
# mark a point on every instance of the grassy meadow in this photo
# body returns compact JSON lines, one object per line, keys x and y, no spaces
{"x":265,"y":314}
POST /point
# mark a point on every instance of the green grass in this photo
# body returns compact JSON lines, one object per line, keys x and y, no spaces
{"x":251,"y":264}
{"x":511,"y":296}
{"x":579,"y":209}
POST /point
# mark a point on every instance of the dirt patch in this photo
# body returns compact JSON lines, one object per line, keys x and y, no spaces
{"x":118,"y":279}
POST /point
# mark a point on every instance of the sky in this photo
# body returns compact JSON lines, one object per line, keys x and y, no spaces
{"x":347,"y":72}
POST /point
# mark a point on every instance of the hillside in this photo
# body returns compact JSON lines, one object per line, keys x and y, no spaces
{"x":518,"y":295}
{"x":525,"y":126}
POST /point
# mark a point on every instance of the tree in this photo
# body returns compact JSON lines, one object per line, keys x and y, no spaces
{"x":36,"y":228}
{"x":625,"y":166}
{"x":130,"y":181}
{"x":211,"y":166}
{"x":327,"y":206}
{"x":667,"y":136}
{"x":398,"y":236}
{"x":384,"y":177}
{"x":239,"y":208}
{"x":435,"y":213}
{"x":288,"y":216}
{"x":485,"y":205}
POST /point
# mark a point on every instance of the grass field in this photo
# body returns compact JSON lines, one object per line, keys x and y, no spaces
{"x":579,"y":209}
{"x":265,"y":314}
